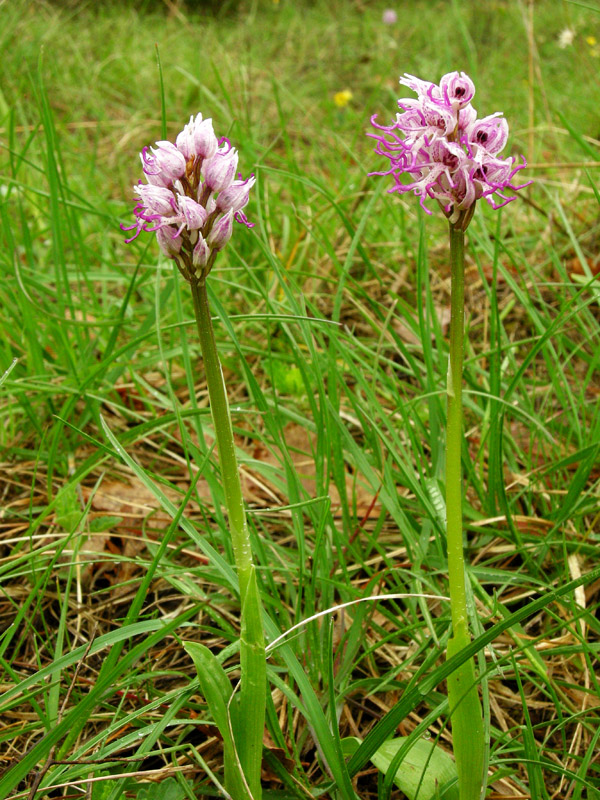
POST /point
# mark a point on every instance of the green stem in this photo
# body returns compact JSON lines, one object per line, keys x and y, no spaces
{"x":465,"y":708}
{"x":454,"y":529}
{"x":221,"y":415}
{"x":248,"y":710}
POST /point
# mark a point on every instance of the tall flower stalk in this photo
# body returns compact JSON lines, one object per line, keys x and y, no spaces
{"x":439,"y":150}
{"x":190,"y":200}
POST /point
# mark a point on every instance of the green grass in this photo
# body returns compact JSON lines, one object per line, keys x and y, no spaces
{"x":331,"y":324}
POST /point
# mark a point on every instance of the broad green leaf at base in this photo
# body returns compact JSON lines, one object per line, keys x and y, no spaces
{"x":217,"y":691}
{"x":426,"y":772}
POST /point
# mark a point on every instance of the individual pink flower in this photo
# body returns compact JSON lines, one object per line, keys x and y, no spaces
{"x":162,"y":165}
{"x":156,"y":199}
{"x":205,"y":141}
{"x":192,"y":214}
{"x":219,"y":171}
{"x":490,"y":133}
{"x":236,"y":196}
{"x":191,"y":197}
{"x":457,"y":89}
{"x":389,"y":17}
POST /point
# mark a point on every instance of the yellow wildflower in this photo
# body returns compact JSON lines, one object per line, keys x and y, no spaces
{"x":342,"y":99}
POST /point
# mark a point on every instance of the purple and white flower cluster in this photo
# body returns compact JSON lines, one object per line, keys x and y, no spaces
{"x":191,"y":197}
{"x":448,"y":154}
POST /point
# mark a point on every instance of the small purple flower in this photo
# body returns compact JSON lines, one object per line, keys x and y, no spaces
{"x":439,"y":150}
{"x":185,"y":140}
{"x":205,"y":141}
{"x":191,"y":199}
{"x":156,"y":199}
{"x":389,"y":17}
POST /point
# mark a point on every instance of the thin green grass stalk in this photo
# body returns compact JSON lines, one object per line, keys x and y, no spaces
{"x":463,"y":696}
{"x":110,"y":665}
{"x":95,"y":696}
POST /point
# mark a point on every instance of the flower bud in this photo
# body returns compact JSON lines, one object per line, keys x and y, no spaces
{"x":219,"y":171}
{"x":211,"y":205}
{"x":205,"y":141}
{"x":185,"y":140}
{"x":221,"y":232}
{"x":201,"y":252}
{"x":170,"y":246}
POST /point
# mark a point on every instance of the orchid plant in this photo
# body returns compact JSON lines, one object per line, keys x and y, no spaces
{"x":439,"y":150}
{"x":191,"y":200}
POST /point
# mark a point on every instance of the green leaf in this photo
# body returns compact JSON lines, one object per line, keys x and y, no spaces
{"x":102,"y":524}
{"x":425,"y":773}
{"x":217,"y":691}
{"x":216,"y":687}
{"x":101,"y":789}
{"x":68,"y":509}
{"x":101,"y":690}
{"x":350,"y":745}
{"x":166,"y":790}
{"x":468,"y":737}
{"x":253,"y":695}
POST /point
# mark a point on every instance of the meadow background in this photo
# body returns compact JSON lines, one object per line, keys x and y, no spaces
{"x":331,"y":318}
